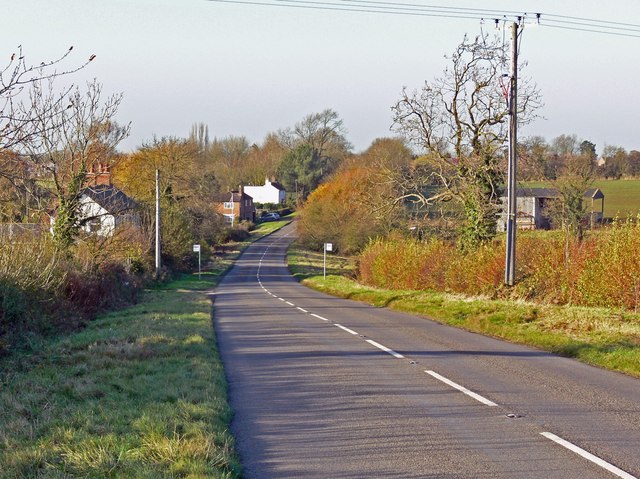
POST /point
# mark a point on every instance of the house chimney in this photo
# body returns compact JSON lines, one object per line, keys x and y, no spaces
{"x":104,"y":175}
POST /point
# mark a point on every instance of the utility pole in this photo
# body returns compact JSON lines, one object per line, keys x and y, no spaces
{"x":158,"y":264}
{"x":510,"y":263}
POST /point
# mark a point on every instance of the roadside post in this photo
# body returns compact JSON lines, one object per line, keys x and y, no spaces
{"x":196,"y":249}
{"x":327,"y":247}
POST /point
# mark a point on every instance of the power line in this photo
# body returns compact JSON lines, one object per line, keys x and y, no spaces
{"x":345,"y":8}
{"x":551,"y":15}
{"x":617,"y":34}
{"x":565,"y":22}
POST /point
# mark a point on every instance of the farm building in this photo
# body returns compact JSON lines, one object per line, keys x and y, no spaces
{"x":532,"y":207}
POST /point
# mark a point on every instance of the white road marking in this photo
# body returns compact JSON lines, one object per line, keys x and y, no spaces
{"x":587,"y":455}
{"x":385,"y":349}
{"x":350,"y":331}
{"x":290,"y":304}
{"x":319,"y":317}
{"x":303,"y":310}
{"x":462,"y":389}
{"x":281,"y":299}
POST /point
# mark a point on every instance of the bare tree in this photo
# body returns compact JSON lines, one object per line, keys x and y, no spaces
{"x":68,"y":139}
{"x":324,"y":132}
{"x":460,"y":121}
{"x":17,"y":117}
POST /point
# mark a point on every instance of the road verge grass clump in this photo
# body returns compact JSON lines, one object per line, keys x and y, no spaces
{"x":137,"y":393}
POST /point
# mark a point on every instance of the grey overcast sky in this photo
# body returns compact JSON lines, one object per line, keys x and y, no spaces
{"x":249,"y":70}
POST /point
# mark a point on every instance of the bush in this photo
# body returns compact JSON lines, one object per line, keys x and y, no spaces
{"x":238,"y":233}
{"x":41,"y":292}
{"x":611,"y":275}
{"x":108,"y":288}
{"x":603,"y":270}
{"x":342,"y":211}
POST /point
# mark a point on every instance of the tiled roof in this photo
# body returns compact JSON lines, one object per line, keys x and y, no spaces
{"x":594,"y":193}
{"x":234,"y":196}
{"x":110,"y":198}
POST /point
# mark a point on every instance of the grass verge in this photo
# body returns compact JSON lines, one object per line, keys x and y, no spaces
{"x":598,"y":336}
{"x":138,"y":393}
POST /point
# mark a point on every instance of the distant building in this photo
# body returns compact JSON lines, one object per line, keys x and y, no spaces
{"x":532,"y":207}
{"x":235,"y":206}
{"x":270,"y":192}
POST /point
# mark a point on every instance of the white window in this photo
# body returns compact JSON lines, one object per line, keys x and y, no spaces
{"x":228,"y":219}
{"x":228,"y":205}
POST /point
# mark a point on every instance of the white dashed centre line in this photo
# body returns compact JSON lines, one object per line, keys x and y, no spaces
{"x":319,"y":317}
{"x":350,"y":331}
{"x":303,"y":310}
{"x":385,"y":349}
{"x":462,"y":389}
{"x":587,"y":455}
{"x":290,"y":304}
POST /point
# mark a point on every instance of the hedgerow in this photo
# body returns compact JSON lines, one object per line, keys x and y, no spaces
{"x":43,"y":291}
{"x":602,"y":270}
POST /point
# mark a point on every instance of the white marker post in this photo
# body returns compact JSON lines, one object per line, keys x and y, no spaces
{"x":327,"y":247}
{"x":196,"y":249}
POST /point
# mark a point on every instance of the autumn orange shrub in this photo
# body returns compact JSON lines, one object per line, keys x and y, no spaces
{"x":602,"y":270}
{"x":611,"y":276}
{"x":343,"y":211}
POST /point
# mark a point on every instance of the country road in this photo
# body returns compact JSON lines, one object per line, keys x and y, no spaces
{"x":330,"y":388}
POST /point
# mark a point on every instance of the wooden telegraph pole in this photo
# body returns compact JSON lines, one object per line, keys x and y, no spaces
{"x":158,"y":264}
{"x":510,"y":263}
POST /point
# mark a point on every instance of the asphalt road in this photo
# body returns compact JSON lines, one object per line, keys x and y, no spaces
{"x":330,"y":388}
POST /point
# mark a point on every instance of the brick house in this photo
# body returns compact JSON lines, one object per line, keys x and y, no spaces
{"x":235,"y":206}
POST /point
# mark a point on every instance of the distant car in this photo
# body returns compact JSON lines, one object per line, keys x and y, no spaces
{"x":270,"y":217}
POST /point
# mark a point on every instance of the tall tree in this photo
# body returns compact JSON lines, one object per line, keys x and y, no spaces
{"x":200,"y":136}
{"x":301,"y":170}
{"x":565,"y":145}
{"x":323,"y":133}
{"x":174,"y":157}
{"x":228,"y":157}
{"x":460,"y":121}
{"x":615,"y":162}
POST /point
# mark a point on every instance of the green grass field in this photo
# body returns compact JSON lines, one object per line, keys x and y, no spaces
{"x":621,"y":197}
